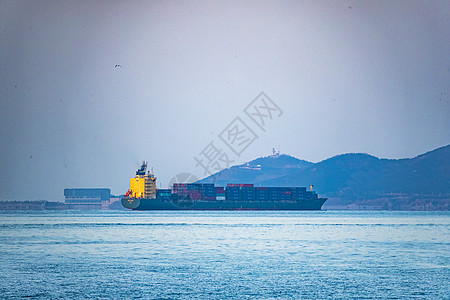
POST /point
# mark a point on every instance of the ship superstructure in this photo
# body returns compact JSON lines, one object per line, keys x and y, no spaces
{"x":143,"y":185}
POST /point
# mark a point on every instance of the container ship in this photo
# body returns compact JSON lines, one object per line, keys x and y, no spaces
{"x":143,"y":195}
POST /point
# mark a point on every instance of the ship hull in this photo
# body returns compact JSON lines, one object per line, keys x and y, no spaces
{"x":158,"y":204}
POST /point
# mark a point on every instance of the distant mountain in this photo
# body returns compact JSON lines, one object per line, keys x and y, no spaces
{"x":355,"y":180}
{"x":263,"y":170}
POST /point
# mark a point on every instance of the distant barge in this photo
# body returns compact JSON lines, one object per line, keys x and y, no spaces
{"x":143,"y":195}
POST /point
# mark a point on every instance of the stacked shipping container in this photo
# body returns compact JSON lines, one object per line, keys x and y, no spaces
{"x":195,"y":191}
{"x":237,"y":192}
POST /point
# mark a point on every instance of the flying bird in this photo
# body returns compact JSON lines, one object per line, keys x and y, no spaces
{"x":116,"y":66}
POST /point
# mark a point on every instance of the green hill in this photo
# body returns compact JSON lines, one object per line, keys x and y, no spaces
{"x":355,"y":180}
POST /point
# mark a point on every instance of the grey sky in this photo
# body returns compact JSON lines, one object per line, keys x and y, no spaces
{"x":370,"y":76}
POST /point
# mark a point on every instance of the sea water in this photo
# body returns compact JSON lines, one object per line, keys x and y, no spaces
{"x":225,"y":255}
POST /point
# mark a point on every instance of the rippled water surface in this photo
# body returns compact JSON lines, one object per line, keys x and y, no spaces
{"x":218,"y":255}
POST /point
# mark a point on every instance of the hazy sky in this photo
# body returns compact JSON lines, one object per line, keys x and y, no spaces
{"x":348,"y":76}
